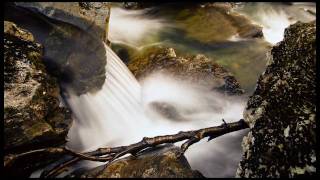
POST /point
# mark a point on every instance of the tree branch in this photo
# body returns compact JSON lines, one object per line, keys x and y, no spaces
{"x":110,"y":154}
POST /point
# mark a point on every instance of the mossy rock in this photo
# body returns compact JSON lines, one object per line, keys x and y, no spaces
{"x":197,"y":69}
{"x":166,"y":161}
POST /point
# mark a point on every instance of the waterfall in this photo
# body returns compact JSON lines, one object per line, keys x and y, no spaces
{"x":121,"y":113}
{"x":106,"y":117}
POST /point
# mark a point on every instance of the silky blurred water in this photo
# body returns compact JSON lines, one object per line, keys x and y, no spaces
{"x":121,"y":112}
{"x":192,"y":30}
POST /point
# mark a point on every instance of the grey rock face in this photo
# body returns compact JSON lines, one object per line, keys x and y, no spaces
{"x":281,"y":112}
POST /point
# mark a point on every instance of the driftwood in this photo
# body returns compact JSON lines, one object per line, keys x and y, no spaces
{"x":112,"y":153}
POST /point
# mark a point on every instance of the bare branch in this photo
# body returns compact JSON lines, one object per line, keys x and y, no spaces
{"x":110,"y":154}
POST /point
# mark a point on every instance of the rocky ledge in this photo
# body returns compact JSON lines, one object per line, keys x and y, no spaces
{"x":281,"y":112}
{"x":33,"y":117}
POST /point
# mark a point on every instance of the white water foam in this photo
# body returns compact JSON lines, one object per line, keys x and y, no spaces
{"x":132,"y":27}
{"x":275,"y":17}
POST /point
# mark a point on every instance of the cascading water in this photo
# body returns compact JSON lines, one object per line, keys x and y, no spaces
{"x":124,"y":111}
{"x":119,"y":114}
{"x":106,"y":116}
{"x":125,"y":28}
{"x":275,"y":17}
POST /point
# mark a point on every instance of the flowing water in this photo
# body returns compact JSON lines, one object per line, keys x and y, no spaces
{"x":192,"y":30}
{"x":275,"y":17}
{"x":122,"y":112}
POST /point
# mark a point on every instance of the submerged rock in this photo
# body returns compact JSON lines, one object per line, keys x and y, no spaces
{"x":216,"y":22}
{"x":197,"y":69}
{"x":33,"y":117}
{"x":162,"y":162}
{"x":281,"y":112}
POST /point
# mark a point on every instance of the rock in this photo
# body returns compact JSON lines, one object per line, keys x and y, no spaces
{"x":76,"y":57}
{"x":204,"y":22}
{"x":68,"y":57}
{"x":163,"y":162}
{"x":213,"y":23}
{"x":32,"y":115}
{"x":132,"y":5}
{"x":12,"y":29}
{"x":166,"y":110}
{"x":91,"y":17}
{"x":197,"y":69}
{"x":281,"y":112}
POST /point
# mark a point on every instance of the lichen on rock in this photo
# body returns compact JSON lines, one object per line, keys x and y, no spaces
{"x":281,"y":112}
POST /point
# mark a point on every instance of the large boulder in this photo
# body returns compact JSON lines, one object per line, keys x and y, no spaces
{"x":72,"y":53}
{"x":281,"y":112}
{"x":33,"y":115}
{"x":197,"y":69}
{"x":165,"y":161}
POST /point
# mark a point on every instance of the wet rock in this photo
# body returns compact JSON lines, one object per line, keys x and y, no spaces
{"x":281,"y":112}
{"x":32,"y":115}
{"x":205,"y":22}
{"x":241,"y":24}
{"x":166,"y":110}
{"x":216,"y":23}
{"x":197,"y":69}
{"x":132,"y":5}
{"x":79,"y":68}
{"x":163,"y":162}
{"x":92,"y":17}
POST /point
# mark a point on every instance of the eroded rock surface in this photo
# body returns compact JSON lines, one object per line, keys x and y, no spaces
{"x":281,"y":112}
